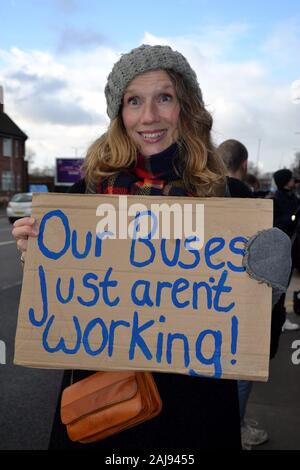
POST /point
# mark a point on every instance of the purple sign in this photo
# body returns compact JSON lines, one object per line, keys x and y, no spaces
{"x":68,"y":171}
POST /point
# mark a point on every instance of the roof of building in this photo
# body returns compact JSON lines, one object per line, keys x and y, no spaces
{"x":9,"y":128}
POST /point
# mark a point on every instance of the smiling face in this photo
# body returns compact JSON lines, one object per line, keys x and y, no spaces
{"x":150,"y":112}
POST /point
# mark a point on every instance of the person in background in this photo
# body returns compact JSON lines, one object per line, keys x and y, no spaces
{"x":241,"y":184}
{"x":278,"y":310}
{"x":253,"y":182}
{"x":235,"y":156}
{"x":286,"y":218}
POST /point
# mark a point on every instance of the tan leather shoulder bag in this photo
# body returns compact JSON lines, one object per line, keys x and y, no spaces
{"x":106,"y":403}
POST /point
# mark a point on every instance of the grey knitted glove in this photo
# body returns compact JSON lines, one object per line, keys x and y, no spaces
{"x":268,"y":259}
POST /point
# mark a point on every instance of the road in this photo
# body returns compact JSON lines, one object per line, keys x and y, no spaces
{"x":276,"y":404}
{"x":27,"y":396}
{"x":11,"y":272}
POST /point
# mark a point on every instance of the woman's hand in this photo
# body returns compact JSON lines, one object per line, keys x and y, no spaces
{"x":22,"y":229}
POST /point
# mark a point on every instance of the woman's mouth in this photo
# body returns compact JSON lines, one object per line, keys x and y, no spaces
{"x":153,"y":136}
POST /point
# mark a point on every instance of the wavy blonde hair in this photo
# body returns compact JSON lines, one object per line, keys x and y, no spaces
{"x":200,"y":168}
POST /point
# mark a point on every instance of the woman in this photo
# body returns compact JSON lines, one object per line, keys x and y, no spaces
{"x":158,"y":143}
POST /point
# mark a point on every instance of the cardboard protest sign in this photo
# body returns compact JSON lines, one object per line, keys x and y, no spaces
{"x":145,"y":283}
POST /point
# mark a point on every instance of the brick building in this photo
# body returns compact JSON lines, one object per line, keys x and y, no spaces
{"x":13,"y":167}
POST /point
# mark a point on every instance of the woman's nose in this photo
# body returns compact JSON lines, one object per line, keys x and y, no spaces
{"x":150,"y":113}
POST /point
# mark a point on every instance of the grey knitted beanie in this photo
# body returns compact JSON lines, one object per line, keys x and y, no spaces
{"x":144,"y":59}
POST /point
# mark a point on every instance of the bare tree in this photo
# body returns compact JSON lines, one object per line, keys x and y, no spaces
{"x":30,"y":158}
{"x":296,"y":165}
{"x":253,"y":169}
{"x":45,"y":171}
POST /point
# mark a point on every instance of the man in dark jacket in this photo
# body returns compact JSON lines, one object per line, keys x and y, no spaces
{"x":235,"y":156}
{"x":286,"y":203}
{"x":286,"y":208}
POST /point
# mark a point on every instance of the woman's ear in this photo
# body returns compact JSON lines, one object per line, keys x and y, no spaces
{"x":245,"y":166}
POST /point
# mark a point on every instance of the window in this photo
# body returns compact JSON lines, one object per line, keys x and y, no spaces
{"x":19,"y":183}
{"x":7,"y":147}
{"x":7,"y":181}
{"x":22,"y":197}
{"x":17,"y":148}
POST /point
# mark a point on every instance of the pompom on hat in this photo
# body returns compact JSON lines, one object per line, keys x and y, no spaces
{"x":143,"y":59}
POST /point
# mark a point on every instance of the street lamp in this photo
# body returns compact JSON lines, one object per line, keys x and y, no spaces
{"x":258,"y":152}
{"x":76,"y":150}
{"x":295,"y":92}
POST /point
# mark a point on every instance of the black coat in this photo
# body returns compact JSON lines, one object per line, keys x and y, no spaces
{"x":198,"y":413}
{"x":238,"y":188}
{"x":286,"y":205}
{"x":287,"y":218}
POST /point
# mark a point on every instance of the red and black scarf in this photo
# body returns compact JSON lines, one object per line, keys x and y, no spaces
{"x":154,"y":175}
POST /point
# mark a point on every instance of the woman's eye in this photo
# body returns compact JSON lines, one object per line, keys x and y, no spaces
{"x":165,"y":98}
{"x":133,"y":100}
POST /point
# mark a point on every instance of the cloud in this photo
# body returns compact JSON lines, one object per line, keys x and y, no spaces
{"x":72,"y":39}
{"x":40,"y":85}
{"x":295,"y":92}
{"x":67,"y":6}
{"x":210,"y":42}
{"x":283,"y":44}
{"x":40,"y":101}
{"x":58,"y":103}
{"x":46,"y":110}
{"x":244,"y":98}
{"x":58,"y":99}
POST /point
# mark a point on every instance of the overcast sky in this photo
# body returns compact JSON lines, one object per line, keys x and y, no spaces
{"x":55,"y":56}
